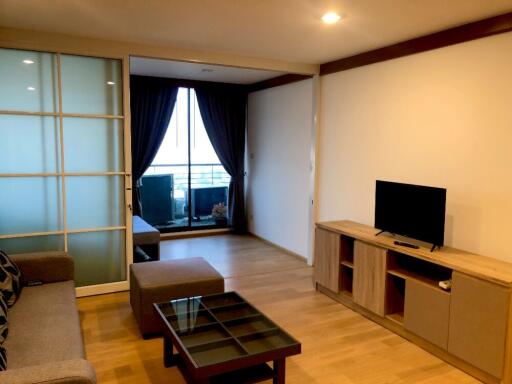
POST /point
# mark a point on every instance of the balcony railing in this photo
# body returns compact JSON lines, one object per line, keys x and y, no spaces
{"x":166,"y":201}
{"x":201,"y":175}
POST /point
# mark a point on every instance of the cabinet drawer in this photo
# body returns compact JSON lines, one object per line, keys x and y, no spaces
{"x":327,"y":259}
{"x":369,"y":276}
{"x":478,"y":322}
{"x":427,"y":312}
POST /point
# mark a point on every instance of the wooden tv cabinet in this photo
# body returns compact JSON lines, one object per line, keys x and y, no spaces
{"x":470,"y":326}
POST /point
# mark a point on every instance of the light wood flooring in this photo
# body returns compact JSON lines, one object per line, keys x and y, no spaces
{"x":339,"y":346}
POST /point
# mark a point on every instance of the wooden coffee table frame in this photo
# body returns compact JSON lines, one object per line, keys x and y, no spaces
{"x":252,"y":366}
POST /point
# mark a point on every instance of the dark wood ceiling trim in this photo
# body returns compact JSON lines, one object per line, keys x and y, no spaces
{"x":277,"y":81}
{"x":466,"y":32}
{"x":186,"y":83}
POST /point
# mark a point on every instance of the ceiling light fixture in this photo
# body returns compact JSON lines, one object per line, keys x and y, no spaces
{"x":31,"y":89}
{"x":331,"y":18}
{"x":28,"y":61}
{"x":111,"y":83}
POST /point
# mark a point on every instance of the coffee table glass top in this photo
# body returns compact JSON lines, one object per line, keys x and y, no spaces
{"x":223,"y":327}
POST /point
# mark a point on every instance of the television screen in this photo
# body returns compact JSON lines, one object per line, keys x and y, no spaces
{"x":410,"y":210}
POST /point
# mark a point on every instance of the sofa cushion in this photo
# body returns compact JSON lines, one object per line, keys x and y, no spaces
{"x":143,"y":233}
{"x":46,"y":267}
{"x":4,"y":326}
{"x":44,"y":326}
{"x":10,"y":279}
{"x":3,"y":359}
{"x":74,"y":371}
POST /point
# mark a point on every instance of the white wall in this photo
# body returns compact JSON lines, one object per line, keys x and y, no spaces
{"x":441,"y":118}
{"x":279,"y":140}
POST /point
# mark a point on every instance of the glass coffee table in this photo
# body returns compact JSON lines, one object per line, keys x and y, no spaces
{"x":222,"y":338}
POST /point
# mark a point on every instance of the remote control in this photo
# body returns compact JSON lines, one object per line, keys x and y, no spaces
{"x":406,"y":245}
{"x":33,"y":283}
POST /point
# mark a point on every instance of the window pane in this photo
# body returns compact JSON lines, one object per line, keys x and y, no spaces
{"x":94,"y":201}
{"x":209,"y":202}
{"x":91,"y":85}
{"x":30,"y":204}
{"x":29,"y":144}
{"x":33,"y":244}
{"x":99,"y":257}
{"x":28,"y":81}
{"x":209,"y":179}
{"x":93,"y":145}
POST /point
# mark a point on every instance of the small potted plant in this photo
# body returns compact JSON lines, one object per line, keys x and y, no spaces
{"x":219,"y":214}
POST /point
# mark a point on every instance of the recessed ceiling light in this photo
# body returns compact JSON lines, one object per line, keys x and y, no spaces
{"x":31,"y":89}
{"x":28,"y":61}
{"x":111,"y":83}
{"x":331,"y":18}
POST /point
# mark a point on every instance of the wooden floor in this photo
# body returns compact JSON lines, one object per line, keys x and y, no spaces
{"x":339,"y":346}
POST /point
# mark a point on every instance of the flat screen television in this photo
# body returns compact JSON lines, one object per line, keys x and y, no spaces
{"x":409,"y":210}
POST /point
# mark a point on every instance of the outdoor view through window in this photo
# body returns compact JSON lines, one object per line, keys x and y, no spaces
{"x":185,"y":169}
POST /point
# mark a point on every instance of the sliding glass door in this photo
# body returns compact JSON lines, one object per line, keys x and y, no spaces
{"x":186,"y":186}
{"x":62,"y":161}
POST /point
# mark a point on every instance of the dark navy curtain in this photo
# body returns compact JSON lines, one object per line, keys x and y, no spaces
{"x":151,"y":102}
{"x":223,"y":109}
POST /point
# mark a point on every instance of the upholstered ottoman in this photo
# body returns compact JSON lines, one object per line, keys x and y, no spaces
{"x":158,"y":281}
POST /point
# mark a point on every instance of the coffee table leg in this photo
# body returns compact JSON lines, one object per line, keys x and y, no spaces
{"x":279,"y":371}
{"x":168,"y":352}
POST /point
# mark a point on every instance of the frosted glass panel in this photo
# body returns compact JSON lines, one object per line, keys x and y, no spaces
{"x":30,"y":204}
{"x":33,"y":244}
{"x":94,"y":201}
{"x":28,"y":81}
{"x":93,"y":145}
{"x":91,"y":85}
{"x":29,"y":144}
{"x":99,"y":257}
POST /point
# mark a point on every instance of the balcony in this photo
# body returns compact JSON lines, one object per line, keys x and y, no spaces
{"x":165,"y":195}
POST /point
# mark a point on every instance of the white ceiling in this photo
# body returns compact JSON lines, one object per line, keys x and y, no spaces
{"x":288,"y":30}
{"x":195,"y":71}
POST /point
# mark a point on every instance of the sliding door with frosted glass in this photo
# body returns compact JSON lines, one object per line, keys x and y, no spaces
{"x":62,"y":166}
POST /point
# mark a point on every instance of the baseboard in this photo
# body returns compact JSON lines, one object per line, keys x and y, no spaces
{"x":291,"y":253}
{"x":198,"y":233}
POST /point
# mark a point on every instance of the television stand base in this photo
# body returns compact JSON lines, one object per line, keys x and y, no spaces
{"x":434,"y":247}
{"x":381,"y":232}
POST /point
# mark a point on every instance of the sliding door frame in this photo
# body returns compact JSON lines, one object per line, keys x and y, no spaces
{"x":61,"y":174}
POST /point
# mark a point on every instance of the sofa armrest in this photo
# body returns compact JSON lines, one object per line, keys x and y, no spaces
{"x":78,"y":371}
{"x":49,"y":267}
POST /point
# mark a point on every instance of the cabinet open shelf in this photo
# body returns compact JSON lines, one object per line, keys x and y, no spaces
{"x":347,"y":264}
{"x":395,"y":298}
{"x":346,"y":279}
{"x":407,"y":267}
{"x":405,"y":274}
{"x":346,"y":250}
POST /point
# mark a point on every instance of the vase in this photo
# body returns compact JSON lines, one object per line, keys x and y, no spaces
{"x":221,"y":221}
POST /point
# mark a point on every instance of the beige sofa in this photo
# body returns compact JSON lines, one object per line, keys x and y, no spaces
{"x":44,"y":344}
